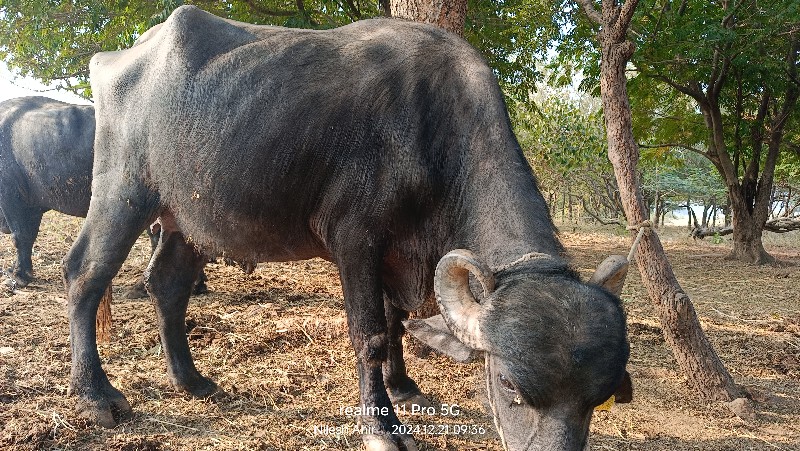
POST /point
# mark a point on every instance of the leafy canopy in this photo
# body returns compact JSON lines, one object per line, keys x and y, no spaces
{"x":53,"y":40}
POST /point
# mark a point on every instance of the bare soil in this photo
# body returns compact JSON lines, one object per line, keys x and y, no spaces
{"x":276,"y":342}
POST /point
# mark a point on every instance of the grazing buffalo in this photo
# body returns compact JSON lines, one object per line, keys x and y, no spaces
{"x":383,"y":146}
{"x":45,"y":164}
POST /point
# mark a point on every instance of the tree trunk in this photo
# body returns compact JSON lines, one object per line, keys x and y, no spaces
{"x":448,"y":14}
{"x":699,"y":362}
{"x":714,"y":210}
{"x":706,"y":213}
{"x":659,"y":207}
{"x":694,"y":217}
{"x":747,"y":244}
{"x":569,"y":202}
{"x":726,"y":212}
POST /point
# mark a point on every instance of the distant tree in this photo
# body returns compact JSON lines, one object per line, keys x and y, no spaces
{"x":721,"y":79}
{"x":564,"y":139}
{"x":675,"y":178}
{"x":786,"y":194}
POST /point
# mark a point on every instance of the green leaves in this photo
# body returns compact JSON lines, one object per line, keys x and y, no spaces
{"x":562,"y":134}
{"x":53,"y":40}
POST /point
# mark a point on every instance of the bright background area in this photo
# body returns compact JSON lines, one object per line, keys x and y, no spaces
{"x":11,"y":86}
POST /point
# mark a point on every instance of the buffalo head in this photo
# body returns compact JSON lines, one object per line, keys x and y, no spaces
{"x":554,"y":347}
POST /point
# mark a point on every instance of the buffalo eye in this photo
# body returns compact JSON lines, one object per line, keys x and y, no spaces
{"x":509,"y":387}
{"x":507,"y":384}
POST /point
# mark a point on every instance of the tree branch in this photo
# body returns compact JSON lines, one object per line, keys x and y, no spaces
{"x":682,"y":9}
{"x":719,"y":73}
{"x":591,"y":12}
{"x":700,"y":232}
{"x":682,"y":146}
{"x":597,"y":217}
{"x":792,"y":91}
{"x":777,"y":225}
{"x":690,"y":91}
{"x":626,"y":14}
{"x":356,"y":14}
{"x":757,"y":138}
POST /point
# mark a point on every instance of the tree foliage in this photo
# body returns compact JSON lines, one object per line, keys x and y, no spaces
{"x":564,"y":139}
{"x":53,"y":40}
{"x":685,"y":47}
{"x":718,"y":78}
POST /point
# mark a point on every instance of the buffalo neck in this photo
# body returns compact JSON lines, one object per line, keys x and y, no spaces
{"x":504,"y":214}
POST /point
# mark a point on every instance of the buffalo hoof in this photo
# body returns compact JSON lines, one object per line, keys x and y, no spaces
{"x":200,"y":387}
{"x":107,"y":409}
{"x":398,"y":442}
{"x":407,"y":394}
{"x":413,"y":400}
{"x":200,"y":288}
{"x":21,"y":278}
{"x":9,"y":285}
{"x":137,"y":291}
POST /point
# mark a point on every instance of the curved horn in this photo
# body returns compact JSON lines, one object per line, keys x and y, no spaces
{"x":460,"y":310}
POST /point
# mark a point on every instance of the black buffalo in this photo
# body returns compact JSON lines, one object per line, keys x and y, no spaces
{"x":45,"y":164}
{"x":380,"y":146}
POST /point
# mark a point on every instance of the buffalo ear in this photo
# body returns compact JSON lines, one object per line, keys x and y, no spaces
{"x":611,"y":274}
{"x":434,"y":332}
{"x":624,"y":393}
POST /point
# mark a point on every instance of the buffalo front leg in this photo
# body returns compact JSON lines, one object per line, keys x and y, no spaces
{"x":401,"y":388}
{"x":169,"y":279}
{"x":366,"y":321}
{"x":89,"y":266}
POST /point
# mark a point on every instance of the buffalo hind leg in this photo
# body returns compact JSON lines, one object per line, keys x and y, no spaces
{"x":169,"y":279}
{"x":401,"y":388}
{"x":3,"y":224}
{"x":366,"y":321}
{"x":138,"y":290}
{"x":23,"y":223}
{"x":89,"y":267}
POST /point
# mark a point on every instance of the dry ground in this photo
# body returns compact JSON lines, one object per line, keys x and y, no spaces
{"x":276,"y":341}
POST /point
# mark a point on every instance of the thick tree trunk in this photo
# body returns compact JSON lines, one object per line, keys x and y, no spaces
{"x":699,"y":362}
{"x":448,"y":14}
{"x":747,"y":244}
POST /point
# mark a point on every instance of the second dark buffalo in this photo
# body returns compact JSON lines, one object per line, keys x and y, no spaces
{"x":46,"y":152}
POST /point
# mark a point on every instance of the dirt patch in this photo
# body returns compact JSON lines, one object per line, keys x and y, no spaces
{"x":276,"y":342}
